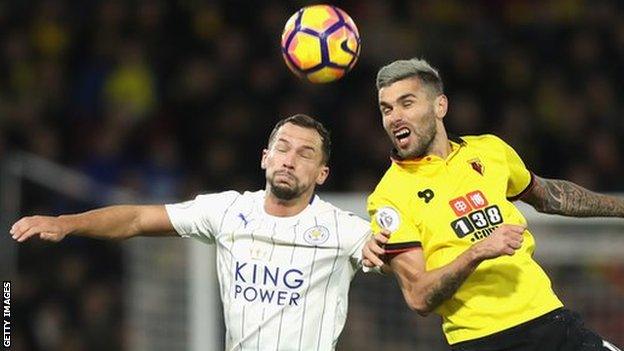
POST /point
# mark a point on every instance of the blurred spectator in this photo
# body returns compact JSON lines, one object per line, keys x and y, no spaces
{"x":129,"y":90}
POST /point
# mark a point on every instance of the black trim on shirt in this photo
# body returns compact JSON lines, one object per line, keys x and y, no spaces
{"x":528,"y":187}
{"x":456,"y":138}
{"x":393,"y":249}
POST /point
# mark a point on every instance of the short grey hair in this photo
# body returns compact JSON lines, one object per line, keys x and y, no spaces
{"x":403,"y":69}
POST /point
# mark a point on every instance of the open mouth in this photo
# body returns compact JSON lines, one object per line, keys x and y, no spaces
{"x":402,"y":133}
{"x":402,"y":136}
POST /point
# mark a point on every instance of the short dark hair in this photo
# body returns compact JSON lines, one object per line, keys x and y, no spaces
{"x":308,"y":122}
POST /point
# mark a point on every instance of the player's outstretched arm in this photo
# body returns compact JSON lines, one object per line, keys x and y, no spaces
{"x":562,"y":197}
{"x":425,"y":290}
{"x":111,"y":223}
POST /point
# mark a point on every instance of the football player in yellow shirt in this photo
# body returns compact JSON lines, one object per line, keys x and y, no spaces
{"x":458,"y":246}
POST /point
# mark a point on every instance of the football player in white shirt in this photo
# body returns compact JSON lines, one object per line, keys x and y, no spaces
{"x":285,"y":258}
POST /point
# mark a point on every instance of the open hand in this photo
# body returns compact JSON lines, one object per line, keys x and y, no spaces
{"x":373,"y":251}
{"x":46,"y":227}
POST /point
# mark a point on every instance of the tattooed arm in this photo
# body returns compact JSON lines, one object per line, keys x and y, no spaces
{"x":562,"y":197}
{"x":424,"y":290}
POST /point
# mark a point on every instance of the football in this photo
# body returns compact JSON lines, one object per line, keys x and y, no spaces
{"x":320,"y":43}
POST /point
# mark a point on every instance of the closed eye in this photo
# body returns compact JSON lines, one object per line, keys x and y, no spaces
{"x":307,"y":153}
{"x":281,"y":146}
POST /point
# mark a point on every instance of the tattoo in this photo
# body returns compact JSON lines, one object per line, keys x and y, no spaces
{"x":562,"y":197}
{"x":445,"y":289}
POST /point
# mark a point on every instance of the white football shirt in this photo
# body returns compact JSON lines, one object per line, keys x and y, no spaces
{"x":284,"y":281}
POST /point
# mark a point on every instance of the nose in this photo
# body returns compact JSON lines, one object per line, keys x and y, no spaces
{"x":289,"y":160}
{"x":393,"y":117}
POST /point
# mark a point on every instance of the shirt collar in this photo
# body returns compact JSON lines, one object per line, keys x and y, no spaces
{"x":456,"y":143}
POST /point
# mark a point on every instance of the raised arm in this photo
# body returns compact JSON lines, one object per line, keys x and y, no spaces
{"x":425,"y":290}
{"x":565,"y":198}
{"x":110,"y":223}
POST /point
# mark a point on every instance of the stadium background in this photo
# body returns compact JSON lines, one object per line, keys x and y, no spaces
{"x":169,"y":99}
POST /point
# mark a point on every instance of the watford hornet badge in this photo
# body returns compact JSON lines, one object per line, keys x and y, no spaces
{"x":476,"y":164}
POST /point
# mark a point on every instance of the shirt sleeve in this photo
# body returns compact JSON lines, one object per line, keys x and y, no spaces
{"x":201,"y":217}
{"x":520,"y":178}
{"x":386,"y":214}
{"x":361,"y":230}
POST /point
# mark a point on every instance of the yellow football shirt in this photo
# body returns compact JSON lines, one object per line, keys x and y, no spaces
{"x":447,"y":205}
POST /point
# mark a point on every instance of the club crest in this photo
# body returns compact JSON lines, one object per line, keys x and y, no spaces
{"x":316,"y":235}
{"x":476,"y":164}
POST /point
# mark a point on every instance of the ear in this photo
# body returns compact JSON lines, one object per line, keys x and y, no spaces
{"x":322,"y":176}
{"x":263,"y":160}
{"x":440,"y":106}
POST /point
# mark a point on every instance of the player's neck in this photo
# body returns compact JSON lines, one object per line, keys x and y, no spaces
{"x":285,"y":208}
{"x":441,"y":145}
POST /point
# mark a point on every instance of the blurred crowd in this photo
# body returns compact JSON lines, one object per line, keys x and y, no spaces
{"x":171,"y":98}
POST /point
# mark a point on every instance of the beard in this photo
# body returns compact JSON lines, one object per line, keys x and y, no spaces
{"x":423,"y":139}
{"x":285,"y":192}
